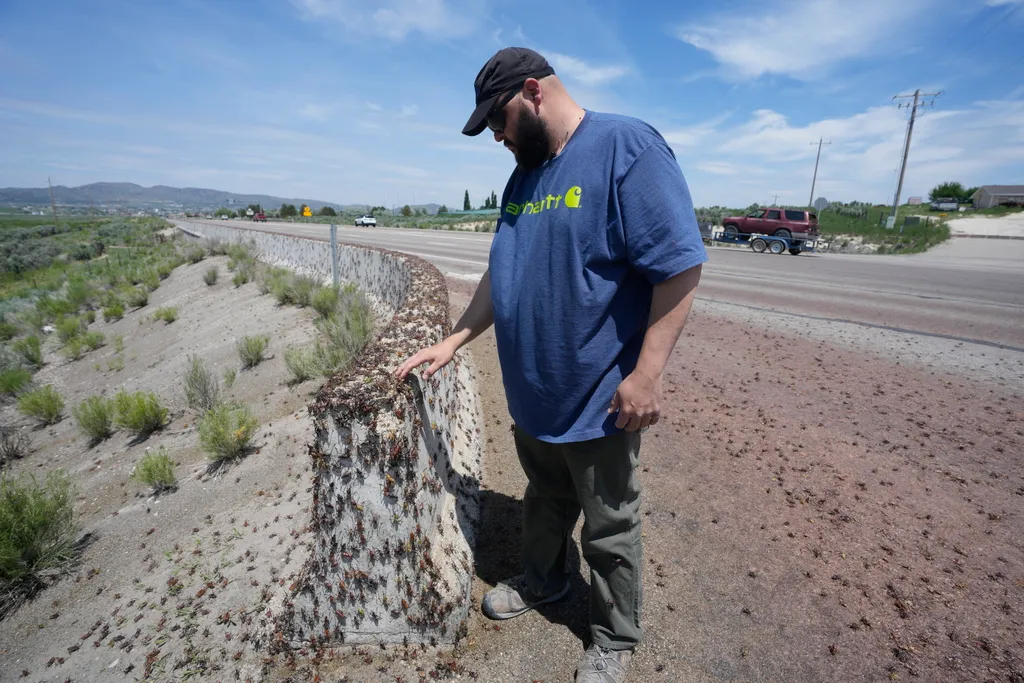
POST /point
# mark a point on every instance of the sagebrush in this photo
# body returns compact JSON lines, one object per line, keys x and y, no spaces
{"x":226,"y":432}
{"x":139,"y":412}
{"x":95,"y":418}
{"x":202,"y":391}
{"x":37,"y":530}
{"x":156,"y":469}
{"x":252,"y":350}
{"x":44,"y":404}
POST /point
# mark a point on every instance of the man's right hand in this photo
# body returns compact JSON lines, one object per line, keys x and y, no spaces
{"x":438,"y":355}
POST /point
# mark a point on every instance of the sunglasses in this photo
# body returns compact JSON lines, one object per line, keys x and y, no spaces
{"x":496,"y":117}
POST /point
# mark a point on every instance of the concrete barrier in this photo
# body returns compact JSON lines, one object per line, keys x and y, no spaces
{"x":396,"y":466}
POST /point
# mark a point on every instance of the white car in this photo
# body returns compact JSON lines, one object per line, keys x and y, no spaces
{"x":366,"y":222}
{"x":945,"y":204}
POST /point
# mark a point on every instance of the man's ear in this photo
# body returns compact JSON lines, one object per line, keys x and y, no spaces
{"x":533,"y":92}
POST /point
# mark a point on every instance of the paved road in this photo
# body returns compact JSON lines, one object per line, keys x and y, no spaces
{"x":967,"y":289}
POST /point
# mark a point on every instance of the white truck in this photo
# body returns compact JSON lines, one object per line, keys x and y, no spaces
{"x":365,"y":221}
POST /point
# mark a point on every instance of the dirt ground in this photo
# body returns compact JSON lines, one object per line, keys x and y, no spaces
{"x":822,"y":516}
{"x":818,"y":515}
{"x":170,"y":584}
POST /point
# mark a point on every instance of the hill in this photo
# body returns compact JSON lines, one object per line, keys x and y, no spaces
{"x":130,"y":195}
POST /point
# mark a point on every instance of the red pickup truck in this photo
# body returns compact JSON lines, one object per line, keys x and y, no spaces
{"x":259,"y":218}
{"x":788,"y":223}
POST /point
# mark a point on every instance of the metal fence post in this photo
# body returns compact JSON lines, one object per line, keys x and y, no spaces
{"x":334,"y":253}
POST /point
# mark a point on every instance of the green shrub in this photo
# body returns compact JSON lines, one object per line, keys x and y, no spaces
{"x":139,"y":413}
{"x":89,"y":317}
{"x":13,"y":380}
{"x":164,"y":270}
{"x":195,"y":254}
{"x":8,"y":331}
{"x":151,"y":281}
{"x":202,"y":391}
{"x":114,"y":311}
{"x":32,"y":319}
{"x":30,"y":350}
{"x":37,"y":530}
{"x":302,"y":288}
{"x":68,"y":329}
{"x":116,"y":364}
{"x":78,"y":293}
{"x":119,"y":343}
{"x":302,"y":363}
{"x":137,"y":297}
{"x":240,"y":278}
{"x":252,"y":350}
{"x":210,"y":276}
{"x":229,"y":378}
{"x":226,"y":432}
{"x":166,"y":313}
{"x":156,"y":470}
{"x":44,"y":404}
{"x":95,"y":418}
{"x":74,"y":349}
{"x":93,"y":340}
{"x":325,"y":301}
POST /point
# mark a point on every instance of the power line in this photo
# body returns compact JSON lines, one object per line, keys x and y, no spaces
{"x":910,"y":131}
{"x":815,"y":179}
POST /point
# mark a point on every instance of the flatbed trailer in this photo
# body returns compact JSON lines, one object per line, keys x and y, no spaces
{"x":770,"y":243}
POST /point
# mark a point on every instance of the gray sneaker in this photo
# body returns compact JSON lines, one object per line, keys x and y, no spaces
{"x":603,"y":666}
{"x":511,"y":598}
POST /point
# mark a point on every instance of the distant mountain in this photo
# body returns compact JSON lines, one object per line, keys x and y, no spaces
{"x":130,"y":195}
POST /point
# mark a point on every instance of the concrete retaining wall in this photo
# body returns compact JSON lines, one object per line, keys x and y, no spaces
{"x":396,"y":466}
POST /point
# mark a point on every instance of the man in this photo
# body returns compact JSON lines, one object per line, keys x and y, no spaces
{"x":591,"y":276}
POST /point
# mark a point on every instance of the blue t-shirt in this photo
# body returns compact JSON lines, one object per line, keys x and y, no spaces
{"x":580,"y":244}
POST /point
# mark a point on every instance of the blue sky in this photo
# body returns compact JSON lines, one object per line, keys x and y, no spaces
{"x":359,"y":101}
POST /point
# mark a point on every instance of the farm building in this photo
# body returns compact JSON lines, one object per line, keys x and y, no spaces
{"x":988,"y":196}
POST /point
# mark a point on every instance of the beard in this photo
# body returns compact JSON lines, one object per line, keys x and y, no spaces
{"x":533,"y":140}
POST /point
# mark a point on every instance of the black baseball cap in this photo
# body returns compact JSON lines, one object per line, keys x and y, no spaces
{"x":506,"y":70}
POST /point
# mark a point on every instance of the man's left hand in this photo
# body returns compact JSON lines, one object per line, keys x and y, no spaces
{"x":638,"y":402}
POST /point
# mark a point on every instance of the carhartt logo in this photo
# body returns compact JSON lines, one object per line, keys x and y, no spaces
{"x":572,"y":201}
{"x":572,"y":197}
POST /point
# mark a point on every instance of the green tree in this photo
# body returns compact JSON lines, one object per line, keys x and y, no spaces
{"x":327,"y":211}
{"x":466,"y":206}
{"x":947,"y":189}
{"x":378,"y":209}
{"x":966,"y":196}
{"x":494,"y":200}
{"x":406,"y":211}
{"x":288,"y":211}
{"x":223,"y":213}
{"x":256,"y":208}
{"x":443,"y":209}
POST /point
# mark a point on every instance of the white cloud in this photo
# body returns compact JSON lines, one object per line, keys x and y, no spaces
{"x":802,"y":40}
{"x":408,"y":110}
{"x":317,"y":112}
{"x":396,"y":19}
{"x":767,"y":153}
{"x":585,"y":73}
{"x":373,"y":106}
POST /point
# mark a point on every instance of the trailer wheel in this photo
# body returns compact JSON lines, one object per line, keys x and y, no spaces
{"x":732,"y":230}
{"x":759,"y":245}
{"x":777,"y":247}
{"x":794,"y":251}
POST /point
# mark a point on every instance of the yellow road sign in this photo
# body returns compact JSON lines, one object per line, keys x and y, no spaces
{"x":306,"y":212}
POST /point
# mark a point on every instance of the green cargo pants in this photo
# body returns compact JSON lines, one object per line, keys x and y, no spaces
{"x":599,"y":478}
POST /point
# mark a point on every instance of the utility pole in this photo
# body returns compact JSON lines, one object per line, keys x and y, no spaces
{"x":53,"y":204}
{"x":815,"y":179}
{"x":775,"y":202}
{"x":906,"y":147}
